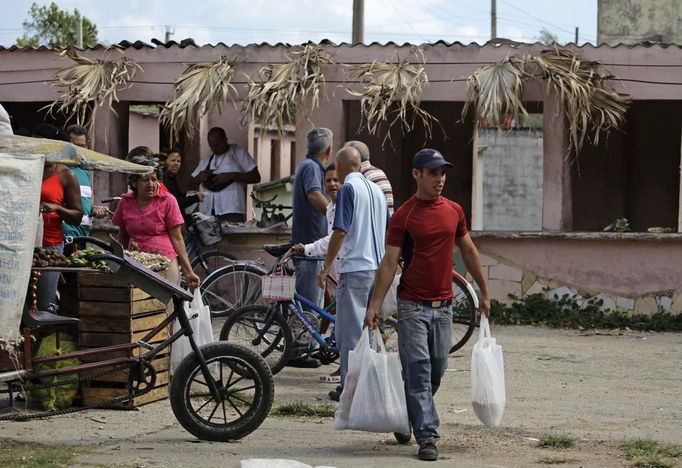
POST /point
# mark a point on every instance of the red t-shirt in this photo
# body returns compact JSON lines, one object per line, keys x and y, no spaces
{"x":426,"y":231}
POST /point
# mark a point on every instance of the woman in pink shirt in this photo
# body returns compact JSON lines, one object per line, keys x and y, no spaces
{"x":150,"y":219}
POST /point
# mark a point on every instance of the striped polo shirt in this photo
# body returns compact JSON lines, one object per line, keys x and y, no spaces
{"x":376,"y":175}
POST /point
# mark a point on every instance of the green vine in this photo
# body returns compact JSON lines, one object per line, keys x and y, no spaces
{"x":581,"y":313}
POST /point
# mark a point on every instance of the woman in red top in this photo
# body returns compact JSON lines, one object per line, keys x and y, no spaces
{"x":60,"y":200}
{"x":151,"y":219}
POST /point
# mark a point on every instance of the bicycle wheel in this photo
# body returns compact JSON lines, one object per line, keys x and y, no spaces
{"x":232,"y":287}
{"x":463,"y":313}
{"x":212,"y":261}
{"x":244,"y":326}
{"x":246,"y":390}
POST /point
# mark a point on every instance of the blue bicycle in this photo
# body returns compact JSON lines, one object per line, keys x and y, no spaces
{"x":284,"y":329}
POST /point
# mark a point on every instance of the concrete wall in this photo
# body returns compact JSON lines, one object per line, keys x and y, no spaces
{"x":509,"y":179}
{"x":633,"y":21}
{"x":144,"y":131}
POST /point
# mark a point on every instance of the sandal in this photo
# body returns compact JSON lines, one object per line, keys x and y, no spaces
{"x":330,"y":378}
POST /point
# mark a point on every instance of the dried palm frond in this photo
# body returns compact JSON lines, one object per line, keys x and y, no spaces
{"x":590,"y":103}
{"x":496,"y":92}
{"x":91,"y":81}
{"x":281,"y":89}
{"x":391,"y":92}
{"x":200,"y":88}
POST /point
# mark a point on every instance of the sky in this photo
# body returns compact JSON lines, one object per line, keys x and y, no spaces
{"x":299,"y":21}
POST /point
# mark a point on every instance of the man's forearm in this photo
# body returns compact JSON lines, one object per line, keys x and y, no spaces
{"x":334,"y":247}
{"x":472,"y":262}
{"x":382,"y":283}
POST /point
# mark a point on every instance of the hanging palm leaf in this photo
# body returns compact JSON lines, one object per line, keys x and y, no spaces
{"x":496,"y":92}
{"x":91,"y":81}
{"x":200,"y":88}
{"x":391,"y":92}
{"x":282,"y":89}
{"x":590,"y":103}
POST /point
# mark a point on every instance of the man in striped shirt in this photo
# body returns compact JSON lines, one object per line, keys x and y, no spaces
{"x":373,"y":173}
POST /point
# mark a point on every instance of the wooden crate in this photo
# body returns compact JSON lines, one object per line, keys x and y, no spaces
{"x":114,"y":312}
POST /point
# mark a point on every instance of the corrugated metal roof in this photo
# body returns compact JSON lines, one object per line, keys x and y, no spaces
{"x":189,"y":42}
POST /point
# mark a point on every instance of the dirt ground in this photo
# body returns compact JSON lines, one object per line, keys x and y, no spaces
{"x":600,"y":388}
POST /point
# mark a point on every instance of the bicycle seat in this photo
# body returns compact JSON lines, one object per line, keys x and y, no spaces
{"x":277,"y":250}
{"x":41,"y":318}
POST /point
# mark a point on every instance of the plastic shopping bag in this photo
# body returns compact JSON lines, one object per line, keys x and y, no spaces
{"x":378,"y":401}
{"x":357,"y":358}
{"x":487,"y":377}
{"x":201,"y":325}
{"x":390,"y":305}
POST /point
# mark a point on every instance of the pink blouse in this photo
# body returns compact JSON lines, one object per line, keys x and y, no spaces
{"x":148,"y":228}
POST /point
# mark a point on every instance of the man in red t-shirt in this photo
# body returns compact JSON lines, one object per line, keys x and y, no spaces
{"x":424,"y":231}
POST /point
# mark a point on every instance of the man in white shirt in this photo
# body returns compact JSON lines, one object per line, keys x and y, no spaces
{"x":224,"y":175}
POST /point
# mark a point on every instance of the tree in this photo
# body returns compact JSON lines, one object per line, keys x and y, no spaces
{"x":547,"y":37}
{"x":48,"y":25}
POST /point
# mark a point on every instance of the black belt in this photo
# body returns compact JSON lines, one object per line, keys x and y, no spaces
{"x":435,"y":304}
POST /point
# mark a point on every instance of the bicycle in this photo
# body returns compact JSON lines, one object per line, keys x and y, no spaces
{"x":239,"y":285}
{"x":204,"y":262}
{"x":219,"y":392}
{"x":266,"y":328}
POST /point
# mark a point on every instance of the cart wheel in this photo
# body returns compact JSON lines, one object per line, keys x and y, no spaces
{"x":246,"y":389}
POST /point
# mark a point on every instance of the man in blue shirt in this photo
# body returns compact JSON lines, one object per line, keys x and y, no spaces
{"x":309,"y":210}
{"x":359,"y":241}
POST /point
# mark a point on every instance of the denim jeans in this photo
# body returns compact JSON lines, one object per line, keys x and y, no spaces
{"x":424,"y":342}
{"x":351,"y":306}
{"x":48,"y":282}
{"x":306,"y":280}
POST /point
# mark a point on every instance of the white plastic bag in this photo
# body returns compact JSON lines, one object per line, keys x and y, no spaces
{"x":487,"y":377}
{"x":201,"y":325}
{"x":390,"y":305}
{"x":378,"y":400}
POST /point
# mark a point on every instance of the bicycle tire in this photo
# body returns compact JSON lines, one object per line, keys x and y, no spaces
{"x":214,"y":261}
{"x":463,"y":313}
{"x":231,"y":287}
{"x":246,"y":387}
{"x":245,"y":324}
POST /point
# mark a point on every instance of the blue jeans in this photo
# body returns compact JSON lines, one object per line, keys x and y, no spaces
{"x":48,"y":282}
{"x":424,"y":342}
{"x":306,"y":280}
{"x":351,"y":306}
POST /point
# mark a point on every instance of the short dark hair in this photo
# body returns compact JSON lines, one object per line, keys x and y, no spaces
{"x":330,"y":167}
{"x":49,"y":131}
{"x":139,"y":151}
{"x":217,"y":131}
{"x":76,"y":129}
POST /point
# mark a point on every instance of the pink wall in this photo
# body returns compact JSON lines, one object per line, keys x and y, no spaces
{"x":627,"y":264}
{"x":144,"y":131}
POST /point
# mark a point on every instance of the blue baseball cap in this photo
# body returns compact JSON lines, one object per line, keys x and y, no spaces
{"x":430,"y":159}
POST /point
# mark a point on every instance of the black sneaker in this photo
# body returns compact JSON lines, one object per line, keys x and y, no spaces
{"x":428,"y":451}
{"x":335,"y":395}
{"x":306,"y":363}
{"x":403,"y":438}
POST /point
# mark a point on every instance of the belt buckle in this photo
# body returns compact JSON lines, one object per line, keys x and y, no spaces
{"x":435,"y":304}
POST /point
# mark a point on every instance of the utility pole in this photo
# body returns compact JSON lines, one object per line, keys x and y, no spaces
{"x":576,"y":35}
{"x":493,"y":19}
{"x":169,"y":32}
{"x":358,"y":21}
{"x":79,"y":30}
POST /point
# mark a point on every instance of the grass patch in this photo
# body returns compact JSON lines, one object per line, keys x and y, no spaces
{"x":557,"y":461}
{"x":651,"y":454}
{"x":14,"y":455}
{"x":556,"y":441}
{"x":300,"y":408}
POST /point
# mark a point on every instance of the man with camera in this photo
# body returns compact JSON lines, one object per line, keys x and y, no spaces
{"x":224,"y":175}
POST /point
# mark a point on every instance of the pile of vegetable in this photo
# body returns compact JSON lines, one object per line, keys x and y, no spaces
{"x":43,"y":258}
{"x":81,"y":258}
{"x":59,"y":397}
{"x":153,"y":261}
